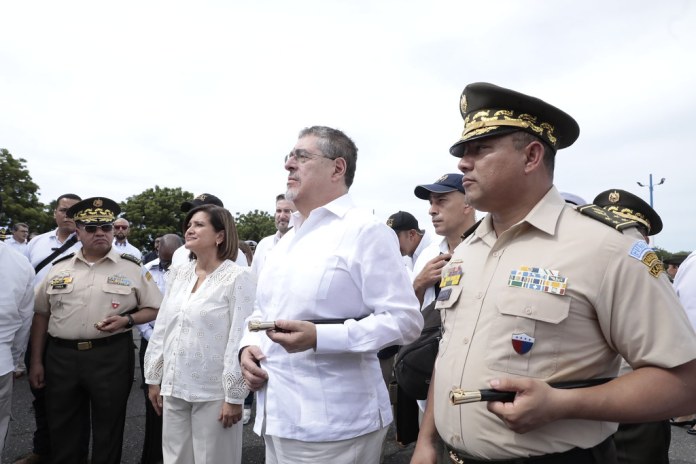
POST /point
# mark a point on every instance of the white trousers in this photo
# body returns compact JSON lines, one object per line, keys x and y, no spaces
{"x":191,"y":433}
{"x":365,"y":449}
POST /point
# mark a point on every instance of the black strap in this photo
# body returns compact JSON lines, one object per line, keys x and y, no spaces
{"x":68,"y":243}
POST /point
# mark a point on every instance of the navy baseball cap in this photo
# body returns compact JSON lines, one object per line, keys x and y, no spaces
{"x":446,"y":183}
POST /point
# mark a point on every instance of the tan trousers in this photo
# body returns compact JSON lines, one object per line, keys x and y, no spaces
{"x":191,"y":433}
{"x":364,"y":449}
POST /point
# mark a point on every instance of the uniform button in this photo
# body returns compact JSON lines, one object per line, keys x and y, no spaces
{"x":528,"y":310}
{"x":496,"y":254}
{"x":466,"y":340}
{"x":479,"y":295}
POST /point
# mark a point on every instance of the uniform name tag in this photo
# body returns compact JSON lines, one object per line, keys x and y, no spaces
{"x":444,"y":294}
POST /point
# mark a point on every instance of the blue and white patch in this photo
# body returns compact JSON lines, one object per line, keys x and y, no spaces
{"x":639,"y":250}
{"x":646,"y":255}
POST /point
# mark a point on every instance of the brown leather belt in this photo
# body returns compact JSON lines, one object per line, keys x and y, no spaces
{"x":82,"y":345}
{"x":572,"y":456}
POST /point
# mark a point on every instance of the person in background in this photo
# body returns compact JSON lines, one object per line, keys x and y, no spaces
{"x":158,"y":269}
{"x":191,"y":363}
{"x":16,"y":308}
{"x":121,"y":244}
{"x":153,"y":254}
{"x":338,"y":292}
{"x":182,"y":255}
{"x":42,"y":251}
{"x":412,"y":239}
{"x":685,"y":286}
{"x":648,"y":442}
{"x":673,"y":264}
{"x":19,"y":240}
{"x":451,"y":216}
{"x":283,"y":212}
{"x":248,"y":251}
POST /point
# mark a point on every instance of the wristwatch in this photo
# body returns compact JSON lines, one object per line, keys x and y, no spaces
{"x":130,"y":322}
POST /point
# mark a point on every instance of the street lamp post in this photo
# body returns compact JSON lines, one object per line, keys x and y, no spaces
{"x":651,"y":186}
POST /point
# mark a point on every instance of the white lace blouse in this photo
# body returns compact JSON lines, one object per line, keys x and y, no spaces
{"x":192,"y":353}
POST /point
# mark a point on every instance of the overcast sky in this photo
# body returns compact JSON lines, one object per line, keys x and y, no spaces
{"x":114,"y":98}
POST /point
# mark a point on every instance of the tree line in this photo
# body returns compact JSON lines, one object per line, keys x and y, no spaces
{"x":154,"y":212}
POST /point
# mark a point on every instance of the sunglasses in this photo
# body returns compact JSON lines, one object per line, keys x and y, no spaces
{"x":121,"y":227}
{"x":91,"y":228}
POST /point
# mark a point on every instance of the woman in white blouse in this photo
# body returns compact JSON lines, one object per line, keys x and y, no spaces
{"x":191,"y":362}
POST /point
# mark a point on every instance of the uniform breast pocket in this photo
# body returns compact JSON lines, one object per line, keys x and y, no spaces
{"x":121,"y":297}
{"x":527,"y":332}
{"x":56,"y":295}
{"x":448,"y":297}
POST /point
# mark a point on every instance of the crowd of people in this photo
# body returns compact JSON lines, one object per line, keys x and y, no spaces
{"x":539,"y":304}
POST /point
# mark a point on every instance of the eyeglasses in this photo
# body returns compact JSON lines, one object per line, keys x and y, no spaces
{"x":302,"y":156}
{"x":92,"y":228}
{"x":120,"y":227}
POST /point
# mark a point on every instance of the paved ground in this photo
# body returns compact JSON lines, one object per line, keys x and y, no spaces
{"x":683,"y":450}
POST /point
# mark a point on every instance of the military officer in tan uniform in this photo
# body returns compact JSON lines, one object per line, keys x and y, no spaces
{"x":84,"y":311}
{"x":541,"y":293}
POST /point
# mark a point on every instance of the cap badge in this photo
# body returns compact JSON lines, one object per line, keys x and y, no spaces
{"x":98,"y":203}
{"x":462,"y":104}
{"x":614,"y":196}
{"x":201,"y":197}
{"x":522,"y":343}
{"x":390,"y":222}
{"x":441,"y":179}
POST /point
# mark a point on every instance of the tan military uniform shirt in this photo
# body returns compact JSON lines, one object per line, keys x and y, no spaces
{"x":586,"y":299}
{"x":77,"y":295}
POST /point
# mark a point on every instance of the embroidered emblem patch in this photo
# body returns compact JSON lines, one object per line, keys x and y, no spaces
{"x":115,"y":303}
{"x":646,"y":255}
{"x":451,"y":277}
{"x":535,"y":278}
{"x":522,"y":343}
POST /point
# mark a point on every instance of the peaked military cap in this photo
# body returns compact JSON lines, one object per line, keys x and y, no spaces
{"x":630,"y":206}
{"x":489,"y":110}
{"x":95,"y":210}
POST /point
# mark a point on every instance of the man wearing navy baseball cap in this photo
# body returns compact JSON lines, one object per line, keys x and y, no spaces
{"x":451,"y":216}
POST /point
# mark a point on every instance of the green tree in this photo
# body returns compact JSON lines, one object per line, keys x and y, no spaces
{"x":154,"y":212}
{"x":254,"y":225}
{"x":19,"y":195}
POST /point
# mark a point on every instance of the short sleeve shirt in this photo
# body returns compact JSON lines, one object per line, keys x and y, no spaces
{"x":557,"y":297}
{"x":76,"y":295}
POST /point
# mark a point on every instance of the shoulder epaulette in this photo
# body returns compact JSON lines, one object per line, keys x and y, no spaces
{"x":471,"y":230}
{"x":609,"y":218}
{"x":131,"y":258}
{"x":63,"y":258}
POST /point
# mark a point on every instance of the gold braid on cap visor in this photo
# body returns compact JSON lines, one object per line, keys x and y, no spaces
{"x":630,"y":214}
{"x":485,"y":121}
{"x":95,"y":215}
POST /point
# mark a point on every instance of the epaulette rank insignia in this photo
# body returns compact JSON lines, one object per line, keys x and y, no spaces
{"x":131,"y":258}
{"x":609,"y":218}
{"x":63,"y":258}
